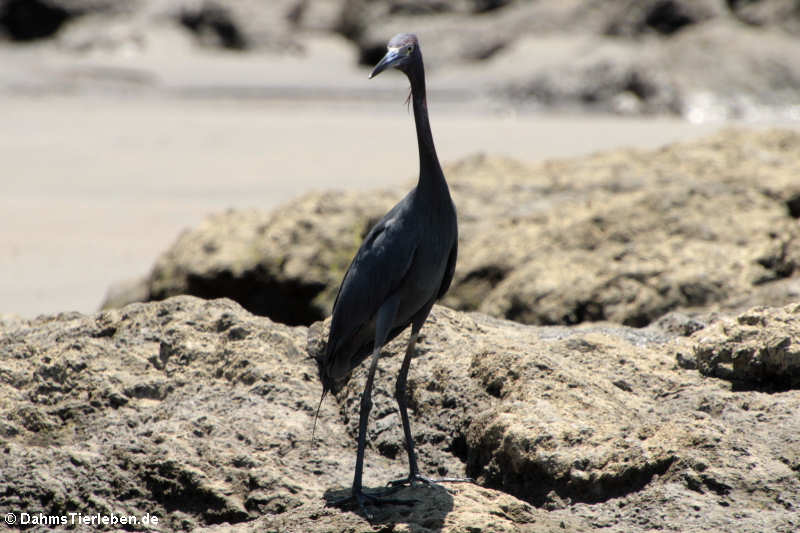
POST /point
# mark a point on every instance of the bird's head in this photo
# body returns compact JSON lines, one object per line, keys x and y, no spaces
{"x":402,"y":50}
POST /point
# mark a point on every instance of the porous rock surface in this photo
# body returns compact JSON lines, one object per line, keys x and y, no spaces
{"x":756,"y":347}
{"x":629,"y":235}
{"x":624,"y":235}
{"x":201,"y":413}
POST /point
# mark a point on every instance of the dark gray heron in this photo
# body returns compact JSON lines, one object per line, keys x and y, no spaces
{"x":404,"y":265}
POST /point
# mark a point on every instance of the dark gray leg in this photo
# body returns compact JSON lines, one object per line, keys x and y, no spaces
{"x":382,"y":327}
{"x":402,"y":403}
{"x":363,"y":417}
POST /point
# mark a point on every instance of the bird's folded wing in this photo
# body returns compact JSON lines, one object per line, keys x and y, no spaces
{"x":377,"y":270}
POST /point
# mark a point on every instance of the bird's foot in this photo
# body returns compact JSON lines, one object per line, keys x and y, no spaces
{"x":362,"y":498}
{"x":413,"y":479}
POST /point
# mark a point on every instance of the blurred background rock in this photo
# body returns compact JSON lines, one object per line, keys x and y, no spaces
{"x":700,"y":59}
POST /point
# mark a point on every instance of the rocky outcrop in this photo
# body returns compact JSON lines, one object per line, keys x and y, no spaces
{"x":699,"y":74}
{"x":627,"y":236}
{"x":238,"y":25}
{"x":201,"y":413}
{"x":624,"y":236}
{"x":28,"y":20}
{"x":758,"y":348}
{"x":286,"y":264}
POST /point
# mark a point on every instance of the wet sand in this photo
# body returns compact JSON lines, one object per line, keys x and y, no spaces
{"x":95,"y":188}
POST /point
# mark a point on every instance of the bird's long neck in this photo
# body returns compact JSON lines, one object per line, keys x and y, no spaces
{"x":430,"y":172}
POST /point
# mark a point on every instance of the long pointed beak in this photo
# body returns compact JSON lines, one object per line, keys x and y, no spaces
{"x":391,"y":57}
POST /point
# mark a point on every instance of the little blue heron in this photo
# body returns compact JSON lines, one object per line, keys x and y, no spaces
{"x":404,"y":265}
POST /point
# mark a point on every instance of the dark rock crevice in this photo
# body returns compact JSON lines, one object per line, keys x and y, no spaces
{"x":29,"y":20}
{"x":213,"y":24}
{"x":288,"y":302}
{"x":535,"y":483}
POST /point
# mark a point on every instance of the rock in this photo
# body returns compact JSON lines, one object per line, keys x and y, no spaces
{"x":286,"y":264}
{"x":641,"y":235}
{"x":213,"y":24}
{"x":782,"y":13}
{"x":665,"y":17}
{"x":27,"y":20}
{"x":677,"y":323}
{"x":625,"y":236}
{"x":759,"y":348}
{"x":628,"y":236}
{"x":776,"y":293}
{"x":200,"y":413}
{"x":126,"y":292}
{"x":664,"y":76}
{"x":8,"y":320}
{"x":320,"y":16}
{"x":185,"y":409}
{"x":96,"y":32}
{"x":245,"y":24}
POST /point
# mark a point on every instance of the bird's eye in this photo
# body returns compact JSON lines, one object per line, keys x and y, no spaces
{"x":409,"y":48}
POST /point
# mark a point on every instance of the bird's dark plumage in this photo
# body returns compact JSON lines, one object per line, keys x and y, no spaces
{"x":389,"y":262}
{"x":404,"y":265}
{"x":410,"y":252}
